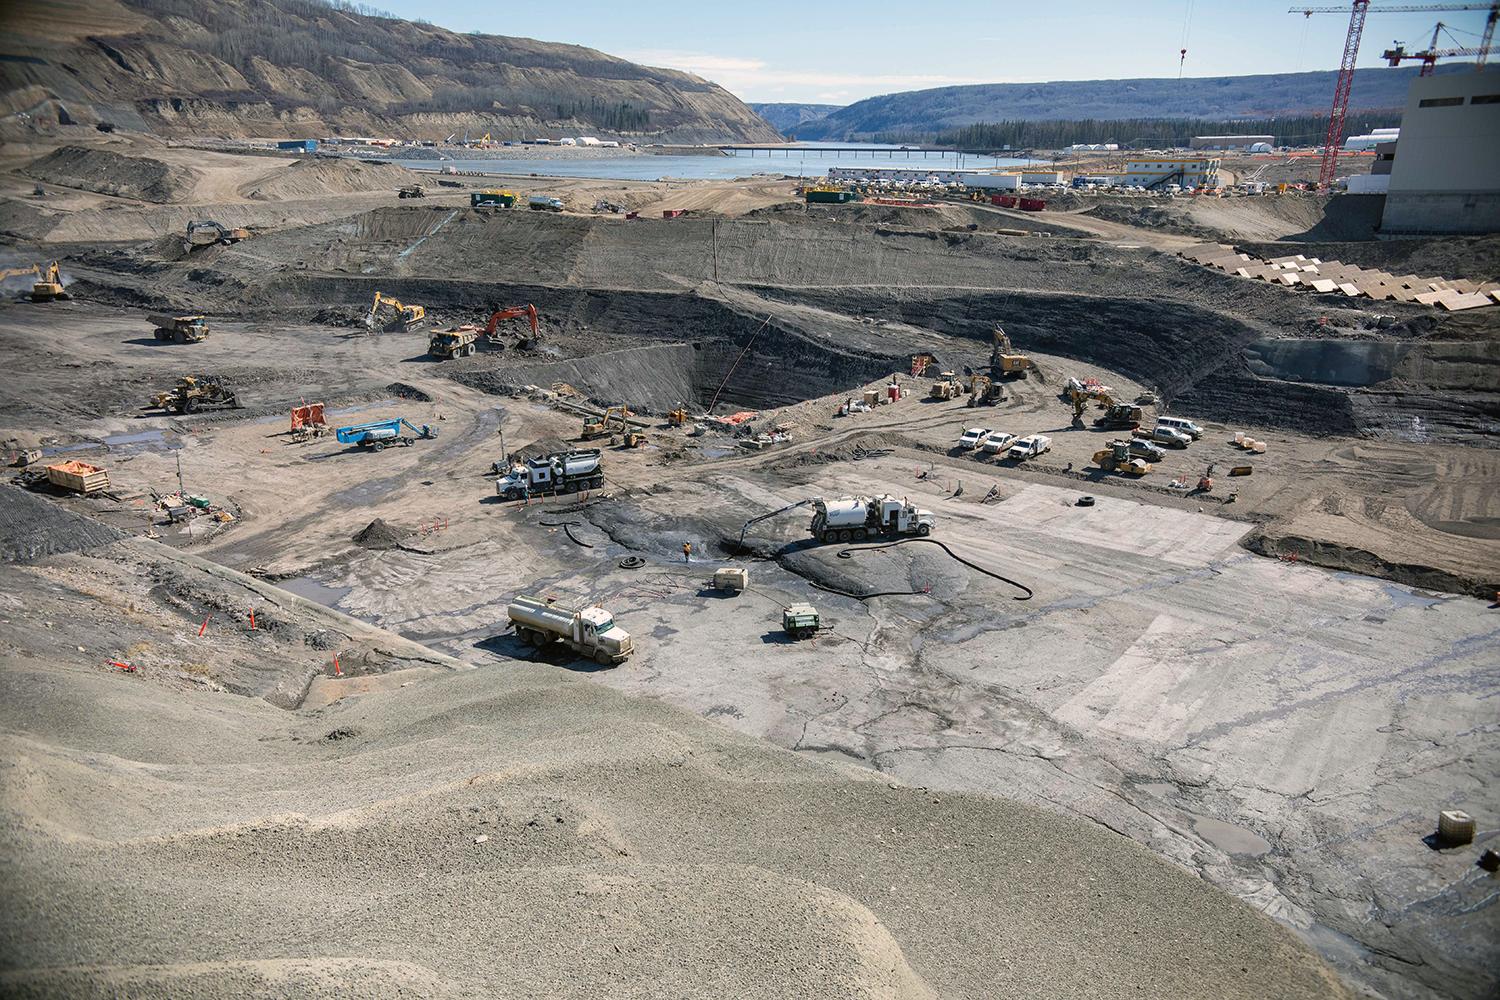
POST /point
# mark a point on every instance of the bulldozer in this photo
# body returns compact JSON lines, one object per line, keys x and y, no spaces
{"x":181,"y":329}
{"x":1117,"y":458}
{"x":616,"y":417}
{"x":1004,"y":361}
{"x":388,"y":313}
{"x":677,"y":417}
{"x":192,"y":394}
{"x":1118,"y":416}
{"x":947,"y":386}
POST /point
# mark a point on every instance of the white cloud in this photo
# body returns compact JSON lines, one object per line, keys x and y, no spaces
{"x":753,"y":79}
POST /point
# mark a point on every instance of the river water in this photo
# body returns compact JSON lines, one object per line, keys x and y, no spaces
{"x":809,"y":159}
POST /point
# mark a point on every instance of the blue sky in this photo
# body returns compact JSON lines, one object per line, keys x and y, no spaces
{"x":773,"y":50}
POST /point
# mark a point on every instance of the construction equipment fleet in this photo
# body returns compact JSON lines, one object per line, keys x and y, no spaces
{"x":181,"y":329}
{"x":856,"y":518}
{"x":589,"y":630}
{"x":563,"y":472}
{"x":193,"y":393}
{"x":390,"y":314}
{"x":462,"y":341}
{"x":377,"y":434}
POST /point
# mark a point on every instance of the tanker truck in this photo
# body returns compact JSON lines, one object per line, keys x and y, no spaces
{"x":565,"y":472}
{"x":853,"y":519}
{"x":592,"y":631}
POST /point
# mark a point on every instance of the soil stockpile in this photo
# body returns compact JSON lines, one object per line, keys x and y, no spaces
{"x":380,"y":535}
{"x":1259,"y":218}
{"x":520,"y":832}
{"x":106,"y":172}
{"x":324,"y":176}
{"x":31,"y":527}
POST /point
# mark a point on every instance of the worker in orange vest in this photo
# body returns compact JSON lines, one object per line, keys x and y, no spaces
{"x":687,"y":551}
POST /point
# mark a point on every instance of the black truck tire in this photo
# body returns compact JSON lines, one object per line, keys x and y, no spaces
{"x":923,"y":530}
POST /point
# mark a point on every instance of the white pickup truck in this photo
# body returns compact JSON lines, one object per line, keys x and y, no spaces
{"x":1029,"y":446}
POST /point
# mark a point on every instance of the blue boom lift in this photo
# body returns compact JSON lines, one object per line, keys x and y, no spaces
{"x":381,"y":433}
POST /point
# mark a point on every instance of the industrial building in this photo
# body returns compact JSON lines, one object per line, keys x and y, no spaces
{"x":1445,"y":175}
{"x":1378,"y":180}
{"x":1361,"y":143}
{"x":1189,"y":171}
{"x":1230,"y":141}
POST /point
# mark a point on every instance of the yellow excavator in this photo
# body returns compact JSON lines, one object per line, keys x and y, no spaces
{"x":1004,"y":361}
{"x":48,"y":286}
{"x":388,"y":313}
{"x":614,"y":417}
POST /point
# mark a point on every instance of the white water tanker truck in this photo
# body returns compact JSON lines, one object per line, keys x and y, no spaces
{"x":590,"y":630}
{"x":566,"y":472}
{"x":854,"y":519}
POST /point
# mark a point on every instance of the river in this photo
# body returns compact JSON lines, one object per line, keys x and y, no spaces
{"x":809,"y":159}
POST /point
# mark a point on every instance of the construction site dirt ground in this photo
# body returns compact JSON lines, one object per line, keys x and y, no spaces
{"x":1272,"y":687}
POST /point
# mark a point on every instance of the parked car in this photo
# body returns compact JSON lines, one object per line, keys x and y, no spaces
{"x":998,"y":442}
{"x":1171,"y":437}
{"x":972,"y":437}
{"x":1029,"y":447}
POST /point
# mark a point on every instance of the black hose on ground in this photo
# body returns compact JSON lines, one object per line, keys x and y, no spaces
{"x":567,"y":527}
{"x":849,"y":554}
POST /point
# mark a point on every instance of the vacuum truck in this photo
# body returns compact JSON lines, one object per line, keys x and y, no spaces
{"x":565,"y":472}
{"x":853,"y":519}
{"x":592,"y":631}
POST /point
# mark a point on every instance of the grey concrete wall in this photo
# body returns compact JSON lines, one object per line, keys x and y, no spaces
{"x":1440,"y":213}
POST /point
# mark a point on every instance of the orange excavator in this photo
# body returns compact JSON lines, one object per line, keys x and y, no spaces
{"x":463,"y":341}
{"x":514,"y":312}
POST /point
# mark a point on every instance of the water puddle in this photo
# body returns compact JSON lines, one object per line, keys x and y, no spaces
{"x":152,"y":440}
{"x":306,"y":586}
{"x":1229,"y":838}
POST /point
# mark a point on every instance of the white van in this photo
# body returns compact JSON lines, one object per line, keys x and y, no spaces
{"x":1181,"y":424}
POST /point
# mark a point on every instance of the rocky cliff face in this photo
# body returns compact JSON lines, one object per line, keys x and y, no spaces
{"x":306,"y":68}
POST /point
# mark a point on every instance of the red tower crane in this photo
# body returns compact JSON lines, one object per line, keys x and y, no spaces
{"x":1345,"y":83}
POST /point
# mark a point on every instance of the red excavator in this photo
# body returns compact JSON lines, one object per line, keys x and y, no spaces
{"x":514,"y":312}
{"x":463,"y":341}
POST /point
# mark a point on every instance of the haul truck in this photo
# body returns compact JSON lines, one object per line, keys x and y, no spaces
{"x":591,"y":630}
{"x":853,"y":519}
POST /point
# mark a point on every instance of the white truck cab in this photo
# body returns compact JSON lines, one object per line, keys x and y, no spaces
{"x":1029,"y":447}
{"x":972,"y":437}
{"x":998,"y":442}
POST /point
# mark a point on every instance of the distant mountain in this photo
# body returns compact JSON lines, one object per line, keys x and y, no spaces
{"x":927,"y":112}
{"x":786,"y":116}
{"x":316,"y":67}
